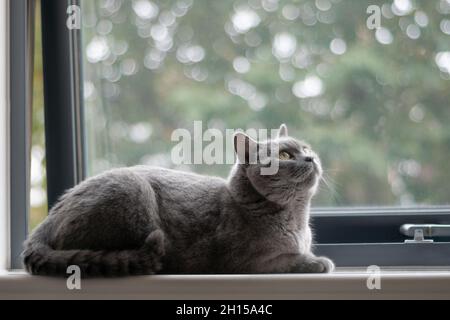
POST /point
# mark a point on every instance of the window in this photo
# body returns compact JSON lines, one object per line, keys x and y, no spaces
{"x":38,"y":194}
{"x":372,"y":101}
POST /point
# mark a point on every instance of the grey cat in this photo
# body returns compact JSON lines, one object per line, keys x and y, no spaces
{"x":147,"y":220}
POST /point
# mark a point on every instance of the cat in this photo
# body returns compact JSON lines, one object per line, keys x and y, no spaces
{"x":147,"y":220}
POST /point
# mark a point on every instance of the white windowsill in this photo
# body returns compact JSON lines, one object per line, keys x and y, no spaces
{"x":344,"y":284}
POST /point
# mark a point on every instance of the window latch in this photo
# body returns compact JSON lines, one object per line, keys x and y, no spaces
{"x":420,"y":231}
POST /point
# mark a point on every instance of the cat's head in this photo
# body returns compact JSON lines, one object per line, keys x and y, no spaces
{"x":298,"y":167}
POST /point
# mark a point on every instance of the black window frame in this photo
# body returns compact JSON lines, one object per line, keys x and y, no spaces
{"x":352,"y":237}
{"x":63,"y":98}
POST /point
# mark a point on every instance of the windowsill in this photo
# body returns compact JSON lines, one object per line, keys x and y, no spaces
{"x":344,"y":284}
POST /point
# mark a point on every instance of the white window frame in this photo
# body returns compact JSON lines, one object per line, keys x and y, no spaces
{"x":4,"y":139}
{"x":20,"y":17}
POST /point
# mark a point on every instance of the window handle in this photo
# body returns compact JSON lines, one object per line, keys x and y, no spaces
{"x":420,"y":231}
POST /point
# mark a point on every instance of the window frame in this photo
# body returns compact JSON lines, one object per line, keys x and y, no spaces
{"x":20,"y":78}
{"x":63,"y":98}
{"x":376,"y":242}
{"x":4,"y":137}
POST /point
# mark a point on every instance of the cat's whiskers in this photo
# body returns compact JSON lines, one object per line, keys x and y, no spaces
{"x":330,"y":185}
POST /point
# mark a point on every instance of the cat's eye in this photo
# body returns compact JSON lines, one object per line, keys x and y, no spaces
{"x":285,"y":156}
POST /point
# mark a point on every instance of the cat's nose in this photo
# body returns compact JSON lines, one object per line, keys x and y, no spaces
{"x":309,"y":159}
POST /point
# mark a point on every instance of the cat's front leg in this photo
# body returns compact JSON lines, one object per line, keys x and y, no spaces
{"x":312,"y":264}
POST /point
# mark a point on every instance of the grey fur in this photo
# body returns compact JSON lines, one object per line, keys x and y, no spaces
{"x":147,"y":220}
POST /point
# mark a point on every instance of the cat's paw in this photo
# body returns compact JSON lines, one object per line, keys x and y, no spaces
{"x":314,"y":265}
{"x":324,"y":265}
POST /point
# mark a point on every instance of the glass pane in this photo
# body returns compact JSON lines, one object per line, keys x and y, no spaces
{"x":38,"y":194}
{"x":369,"y":91}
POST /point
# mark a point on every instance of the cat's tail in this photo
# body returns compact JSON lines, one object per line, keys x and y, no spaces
{"x":40,"y":259}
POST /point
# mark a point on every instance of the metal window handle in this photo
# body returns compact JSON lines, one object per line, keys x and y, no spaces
{"x":429,"y":230}
{"x":420,"y":231}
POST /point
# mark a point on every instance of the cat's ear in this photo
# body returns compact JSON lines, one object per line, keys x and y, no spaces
{"x":283,"y":132}
{"x":245,"y":147}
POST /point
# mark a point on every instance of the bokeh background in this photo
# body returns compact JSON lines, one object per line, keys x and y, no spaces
{"x":375,"y":104}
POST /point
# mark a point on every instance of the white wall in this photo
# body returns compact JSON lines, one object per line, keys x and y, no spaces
{"x":4,"y":138}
